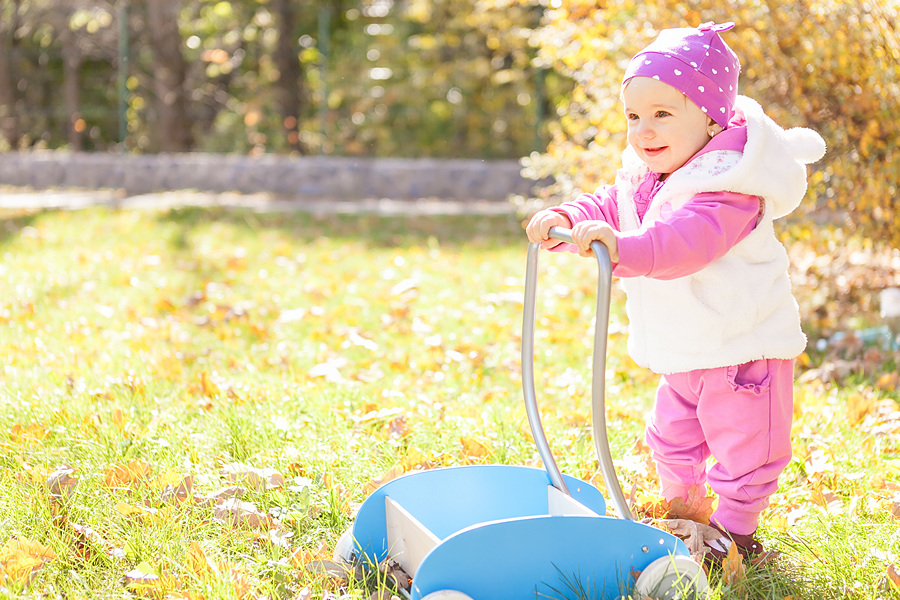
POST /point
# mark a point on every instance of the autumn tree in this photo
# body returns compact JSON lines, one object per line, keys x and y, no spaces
{"x":9,"y":18}
{"x":830,"y":65}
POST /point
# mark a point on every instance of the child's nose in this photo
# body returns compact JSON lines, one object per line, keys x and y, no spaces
{"x":645,"y":129}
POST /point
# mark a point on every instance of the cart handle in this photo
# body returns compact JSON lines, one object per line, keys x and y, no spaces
{"x":598,"y":382}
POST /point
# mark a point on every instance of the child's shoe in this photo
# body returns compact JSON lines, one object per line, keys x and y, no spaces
{"x":747,"y":547}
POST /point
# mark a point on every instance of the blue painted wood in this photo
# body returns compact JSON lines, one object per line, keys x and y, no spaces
{"x":454,"y":498}
{"x":525,"y":558}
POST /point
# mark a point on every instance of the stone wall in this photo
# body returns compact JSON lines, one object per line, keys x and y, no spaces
{"x":299,"y":177}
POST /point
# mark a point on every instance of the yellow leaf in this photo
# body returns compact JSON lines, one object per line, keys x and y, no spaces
{"x":392,"y":473}
{"x":120,"y":476}
{"x":733,"y":566}
{"x":22,"y":558}
{"x":197,"y":562}
{"x":472,"y":448}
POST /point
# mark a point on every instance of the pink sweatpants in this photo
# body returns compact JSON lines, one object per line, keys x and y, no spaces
{"x":741,"y":415}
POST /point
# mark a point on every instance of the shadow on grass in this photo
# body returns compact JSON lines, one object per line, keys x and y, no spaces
{"x":13,"y":222}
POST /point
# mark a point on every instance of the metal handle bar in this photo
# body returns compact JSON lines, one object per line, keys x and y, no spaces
{"x":598,"y":382}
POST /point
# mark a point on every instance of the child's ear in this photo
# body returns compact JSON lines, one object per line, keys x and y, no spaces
{"x":712,"y":128}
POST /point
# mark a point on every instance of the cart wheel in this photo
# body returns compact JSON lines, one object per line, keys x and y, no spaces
{"x":345,"y":549}
{"x":673,"y":578}
{"x":447,"y":595}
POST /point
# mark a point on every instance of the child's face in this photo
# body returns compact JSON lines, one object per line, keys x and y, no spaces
{"x":664,"y":127}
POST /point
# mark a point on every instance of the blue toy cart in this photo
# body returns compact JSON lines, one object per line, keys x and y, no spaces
{"x":501,"y":532}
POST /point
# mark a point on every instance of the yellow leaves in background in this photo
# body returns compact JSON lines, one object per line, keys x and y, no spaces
{"x":28,"y":434}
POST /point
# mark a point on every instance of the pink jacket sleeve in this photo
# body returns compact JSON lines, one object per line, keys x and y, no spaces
{"x":599,"y":206}
{"x":699,"y":233}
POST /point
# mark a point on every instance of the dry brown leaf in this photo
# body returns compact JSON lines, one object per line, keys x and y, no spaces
{"x":330,"y":569}
{"x":86,"y":540}
{"x":176,"y":487}
{"x":62,"y":481}
{"x":697,"y":506}
{"x":257,"y":479}
{"x":278,"y":537}
{"x":143,"y":580}
{"x":893,"y":576}
{"x":213,"y":498}
{"x":235,"y":512}
{"x":733,"y":569}
{"x":694,"y":534}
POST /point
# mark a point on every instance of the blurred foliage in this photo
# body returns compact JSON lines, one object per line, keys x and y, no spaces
{"x":374,"y":77}
{"x":831,"y":65}
{"x":456,"y":78}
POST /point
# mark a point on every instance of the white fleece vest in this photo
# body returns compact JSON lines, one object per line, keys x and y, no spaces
{"x":740,"y":307}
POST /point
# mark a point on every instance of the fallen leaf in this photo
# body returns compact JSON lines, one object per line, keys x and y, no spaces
{"x":280,"y":538}
{"x":697,"y":506}
{"x":300,"y":556}
{"x":330,"y":569}
{"x":473,"y":449}
{"x":62,"y":481}
{"x":126,"y":476}
{"x":21,"y":559}
{"x":29,"y":433}
{"x":231,"y":491}
{"x":893,"y":576}
{"x":197,"y":562}
{"x":257,"y":479}
{"x":733,"y":566}
{"x":241,"y":583}
{"x":143,"y":580}
{"x":176,"y":487}
{"x":694,"y":534}
{"x":235,"y":512}
{"x":391,"y":474}
{"x":132,"y":510}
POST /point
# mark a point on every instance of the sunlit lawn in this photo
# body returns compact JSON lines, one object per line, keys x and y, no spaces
{"x":151,"y":359}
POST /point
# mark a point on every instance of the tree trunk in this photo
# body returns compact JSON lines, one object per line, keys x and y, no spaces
{"x":169,"y":69}
{"x":9,"y":127}
{"x":72,"y":89}
{"x":287,"y":61}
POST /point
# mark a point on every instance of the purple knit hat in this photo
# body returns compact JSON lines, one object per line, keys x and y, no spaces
{"x":696,"y":62}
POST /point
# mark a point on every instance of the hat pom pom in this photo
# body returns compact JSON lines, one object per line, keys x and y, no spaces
{"x":805,"y":145}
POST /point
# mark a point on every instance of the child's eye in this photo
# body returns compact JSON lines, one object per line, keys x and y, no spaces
{"x":661,"y":113}
{"x":632,"y":117}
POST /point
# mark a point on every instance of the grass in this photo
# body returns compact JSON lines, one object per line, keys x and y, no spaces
{"x":330,"y":351}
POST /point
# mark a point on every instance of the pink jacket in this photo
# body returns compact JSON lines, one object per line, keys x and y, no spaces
{"x":701,"y":232}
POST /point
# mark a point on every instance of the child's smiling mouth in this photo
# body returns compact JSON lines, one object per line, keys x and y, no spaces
{"x":654,"y":151}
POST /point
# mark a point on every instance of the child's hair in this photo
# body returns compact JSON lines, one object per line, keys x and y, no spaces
{"x":696,"y":62}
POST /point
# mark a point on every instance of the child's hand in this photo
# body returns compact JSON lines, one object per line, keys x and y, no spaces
{"x":589,"y":231}
{"x":538,"y":228}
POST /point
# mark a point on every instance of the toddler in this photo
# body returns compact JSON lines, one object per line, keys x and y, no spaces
{"x":689,"y":227}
